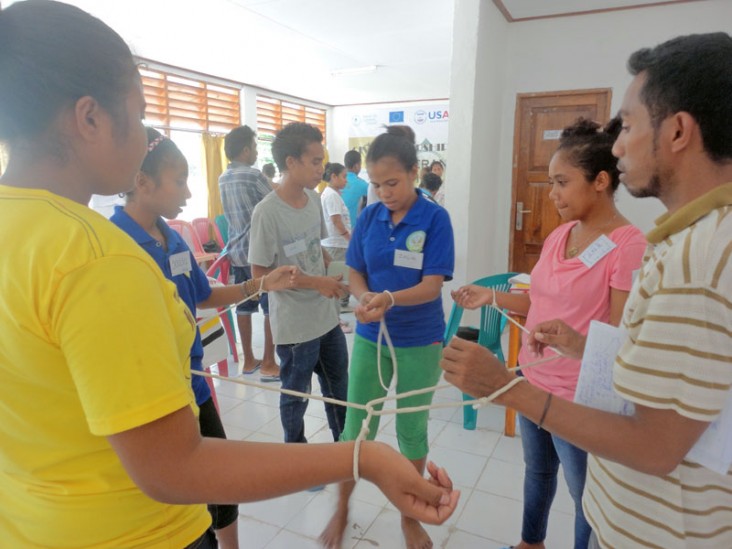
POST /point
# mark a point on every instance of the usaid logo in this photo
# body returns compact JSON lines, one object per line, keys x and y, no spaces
{"x":421,"y":116}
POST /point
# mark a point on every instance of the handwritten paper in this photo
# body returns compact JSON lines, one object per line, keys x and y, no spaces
{"x":595,"y":384}
{"x":713,"y":450}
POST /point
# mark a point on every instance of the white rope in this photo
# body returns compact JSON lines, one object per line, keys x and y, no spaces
{"x":370,"y":407}
{"x":520,"y":326}
{"x":384,"y":334}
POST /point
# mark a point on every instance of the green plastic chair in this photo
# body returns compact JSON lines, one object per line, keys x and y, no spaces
{"x":223,"y":226}
{"x":489,"y":332}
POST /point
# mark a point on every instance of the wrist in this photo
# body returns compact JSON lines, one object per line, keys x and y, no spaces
{"x":391,"y":298}
{"x":262,"y":283}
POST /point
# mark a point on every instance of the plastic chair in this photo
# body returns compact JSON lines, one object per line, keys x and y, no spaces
{"x":219,"y":271}
{"x":223,"y":226}
{"x":489,"y":331}
{"x":186,"y":230}
{"x":207,"y":230}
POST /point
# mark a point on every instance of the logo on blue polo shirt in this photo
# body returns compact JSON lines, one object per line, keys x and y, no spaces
{"x":415,"y":241}
{"x":396,"y":117}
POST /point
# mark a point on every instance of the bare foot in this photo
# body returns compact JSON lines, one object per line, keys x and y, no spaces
{"x":415,"y":536}
{"x":332,"y":536}
{"x":270,"y":369}
{"x":251,"y":366}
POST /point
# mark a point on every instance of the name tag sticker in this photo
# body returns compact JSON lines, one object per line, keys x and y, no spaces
{"x":295,"y":248}
{"x":410,"y":260}
{"x":180,"y":263}
{"x":597,"y":250}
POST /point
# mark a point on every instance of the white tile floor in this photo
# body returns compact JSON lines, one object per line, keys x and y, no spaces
{"x":485,"y":465}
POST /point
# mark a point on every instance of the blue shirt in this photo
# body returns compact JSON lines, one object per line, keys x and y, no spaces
{"x":192,"y":286}
{"x":425,"y":230}
{"x":355,"y":189}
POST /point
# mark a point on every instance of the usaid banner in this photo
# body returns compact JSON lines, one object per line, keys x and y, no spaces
{"x":429,"y":122}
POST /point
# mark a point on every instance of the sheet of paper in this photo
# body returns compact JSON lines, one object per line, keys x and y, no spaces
{"x":713,"y":450}
{"x":595,"y":384}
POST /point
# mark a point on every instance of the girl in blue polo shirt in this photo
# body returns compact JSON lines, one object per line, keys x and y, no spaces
{"x":161,"y":190}
{"x":400,"y":253}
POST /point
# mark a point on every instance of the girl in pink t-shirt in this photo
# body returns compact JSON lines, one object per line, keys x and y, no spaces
{"x":584,"y":273}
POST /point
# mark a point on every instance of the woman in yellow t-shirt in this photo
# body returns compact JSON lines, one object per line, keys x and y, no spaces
{"x":99,"y":445}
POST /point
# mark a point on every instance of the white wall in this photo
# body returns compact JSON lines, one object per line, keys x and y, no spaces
{"x":588,"y":51}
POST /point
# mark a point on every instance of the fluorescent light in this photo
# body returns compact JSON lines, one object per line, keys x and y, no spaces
{"x":354,"y":70}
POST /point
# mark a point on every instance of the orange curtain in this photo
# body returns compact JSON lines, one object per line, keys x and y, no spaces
{"x":214,"y":162}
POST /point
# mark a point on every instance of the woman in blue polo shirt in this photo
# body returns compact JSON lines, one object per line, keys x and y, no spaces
{"x":400,"y":253}
{"x":161,"y":190}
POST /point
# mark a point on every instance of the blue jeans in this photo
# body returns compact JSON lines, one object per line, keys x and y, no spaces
{"x":327,"y":357}
{"x":543,"y":452}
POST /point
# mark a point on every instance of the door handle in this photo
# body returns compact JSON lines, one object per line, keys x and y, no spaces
{"x":520,"y":215}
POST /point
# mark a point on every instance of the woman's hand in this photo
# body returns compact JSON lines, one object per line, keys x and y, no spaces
{"x":373,"y":307}
{"x":431,"y":501}
{"x":281,"y":278}
{"x":558,"y":335}
{"x":472,"y":296}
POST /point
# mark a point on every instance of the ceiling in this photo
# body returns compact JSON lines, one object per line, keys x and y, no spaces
{"x":293,"y":46}
{"x":522,"y":10}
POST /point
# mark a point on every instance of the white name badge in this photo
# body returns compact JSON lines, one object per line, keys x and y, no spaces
{"x":180,"y":263}
{"x":295,"y":248}
{"x":410,"y":260}
{"x":597,"y":250}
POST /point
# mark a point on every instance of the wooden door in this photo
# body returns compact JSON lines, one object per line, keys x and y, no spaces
{"x":540,"y":118}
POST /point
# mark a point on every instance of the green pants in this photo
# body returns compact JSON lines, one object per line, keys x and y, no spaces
{"x":418,"y":367}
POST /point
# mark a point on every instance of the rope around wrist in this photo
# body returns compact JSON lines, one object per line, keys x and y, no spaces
{"x":391,"y":296}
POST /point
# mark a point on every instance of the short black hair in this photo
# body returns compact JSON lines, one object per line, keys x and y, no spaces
{"x":237,"y":140}
{"x":351,"y":159}
{"x":691,"y":74}
{"x":432,"y":182}
{"x":51,"y":55}
{"x":268,"y":169}
{"x":589,"y":147}
{"x":292,"y":140}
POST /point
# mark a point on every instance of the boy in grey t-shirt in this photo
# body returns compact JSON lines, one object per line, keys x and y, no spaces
{"x":287,"y":227}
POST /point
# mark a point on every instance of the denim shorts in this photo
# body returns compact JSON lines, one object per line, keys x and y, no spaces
{"x":242,"y":274}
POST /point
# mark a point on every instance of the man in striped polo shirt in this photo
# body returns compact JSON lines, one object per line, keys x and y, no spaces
{"x":644,"y":488}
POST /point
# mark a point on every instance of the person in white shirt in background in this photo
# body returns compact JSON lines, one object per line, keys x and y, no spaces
{"x":337,"y":222}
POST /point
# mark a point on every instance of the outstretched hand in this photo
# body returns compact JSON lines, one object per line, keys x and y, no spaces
{"x":472,"y":296}
{"x":558,"y":335}
{"x":280,"y":278}
{"x":431,"y":500}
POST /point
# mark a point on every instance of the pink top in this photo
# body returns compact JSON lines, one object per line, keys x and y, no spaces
{"x":569,"y":290}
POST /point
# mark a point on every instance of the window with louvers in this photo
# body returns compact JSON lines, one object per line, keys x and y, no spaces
{"x":274,"y":114}
{"x":176,"y":102}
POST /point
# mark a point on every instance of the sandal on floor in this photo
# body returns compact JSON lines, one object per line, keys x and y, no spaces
{"x":250,"y":372}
